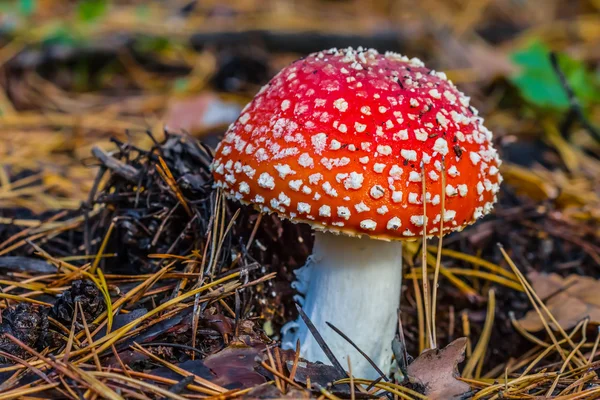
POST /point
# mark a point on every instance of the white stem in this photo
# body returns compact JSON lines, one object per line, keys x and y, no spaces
{"x":355,"y":284}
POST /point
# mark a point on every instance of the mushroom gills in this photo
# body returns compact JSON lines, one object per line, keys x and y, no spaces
{"x":355,"y":284}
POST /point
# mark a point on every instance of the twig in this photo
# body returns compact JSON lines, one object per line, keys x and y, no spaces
{"x":313,"y":330}
{"x":574,"y":103}
{"x":362,"y":353}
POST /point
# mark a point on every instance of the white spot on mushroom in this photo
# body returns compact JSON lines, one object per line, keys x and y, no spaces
{"x":382,"y":210}
{"x":249,"y":171}
{"x":449,"y":215}
{"x":384,"y":149}
{"x":435,"y":94}
{"x":417,"y":220}
{"x":451,"y":190}
{"x":343,"y":212}
{"x":283,"y":199}
{"x":453,"y":171}
{"x":340,"y":177}
{"x":329,"y":190}
{"x":413,"y":198}
{"x":421,"y":135}
{"x":441,"y":119}
{"x":368,"y":224}
{"x":426,"y":158}
{"x":378,"y":167}
{"x":359,"y":127}
{"x":449,"y":96}
{"x":365,"y":146}
{"x":475,"y":158}
{"x":479,"y":188}
{"x":306,"y":190}
{"x":361,"y":207}
{"x":303,"y":208}
{"x":365,"y":110}
{"x":261,"y":155}
{"x":409,"y":155}
{"x":341,"y":104}
{"x":343,"y":128}
{"x":319,"y":141}
{"x":315,"y":178}
{"x":226,"y":150}
{"x":285,"y":105}
{"x":397,"y":196}
{"x":493,"y":170}
{"x":244,"y":118}
{"x":364,"y":160}
{"x":335,"y":145}
{"x":325,"y":211}
{"x":414,"y":103}
{"x":306,"y":160}
{"x":284,"y":170}
{"x":295,"y":184}
{"x":258,"y":199}
{"x":354,"y":181}
{"x":266,"y":181}
{"x":414,"y":176}
{"x":401,"y":135}
{"x":396,"y":171}
{"x":394,"y":223}
{"x":244,"y":188}
{"x":487,"y":184}
{"x":462,"y":190}
{"x":441,"y":146}
{"x":377,"y":191}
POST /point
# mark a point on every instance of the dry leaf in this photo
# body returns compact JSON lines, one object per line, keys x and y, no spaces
{"x":437,"y":371}
{"x":200,"y":112}
{"x":569,"y":300}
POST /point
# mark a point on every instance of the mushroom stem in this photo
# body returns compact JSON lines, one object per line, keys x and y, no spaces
{"x":355,"y":284}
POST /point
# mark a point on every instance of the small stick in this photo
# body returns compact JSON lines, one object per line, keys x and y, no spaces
{"x":362,"y":353}
{"x":574,"y":103}
{"x":352,"y":394}
{"x":313,"y":330}
{"x":438,"y":259}
{"x":426,"y":299}
{"x":297,"y":357}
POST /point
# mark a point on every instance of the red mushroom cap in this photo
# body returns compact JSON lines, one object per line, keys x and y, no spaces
{"x":339,"y":140}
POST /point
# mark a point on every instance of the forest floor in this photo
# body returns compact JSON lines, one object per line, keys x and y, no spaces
{"x":124,"y":274}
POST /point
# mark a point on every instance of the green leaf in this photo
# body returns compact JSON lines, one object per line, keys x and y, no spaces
{"x":27,"y":7}
{"x":91,"y":10}
{"x":181,"y":85}
{"x":539,"y":84}
{"x":60,"y":35}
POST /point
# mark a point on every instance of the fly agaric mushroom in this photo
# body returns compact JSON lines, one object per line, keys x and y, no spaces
{"x":342,"y":140}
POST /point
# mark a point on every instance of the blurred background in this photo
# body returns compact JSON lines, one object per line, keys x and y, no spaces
{"x":75,"y":73}
{"x":78,"y":74}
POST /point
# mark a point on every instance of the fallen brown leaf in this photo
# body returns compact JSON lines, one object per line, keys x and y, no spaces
{"x":437,"y":371}
{"x":569,"y":300}
{"x":200,"y":112}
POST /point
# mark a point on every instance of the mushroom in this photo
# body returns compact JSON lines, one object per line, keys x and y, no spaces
{"x":342,"y":140}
